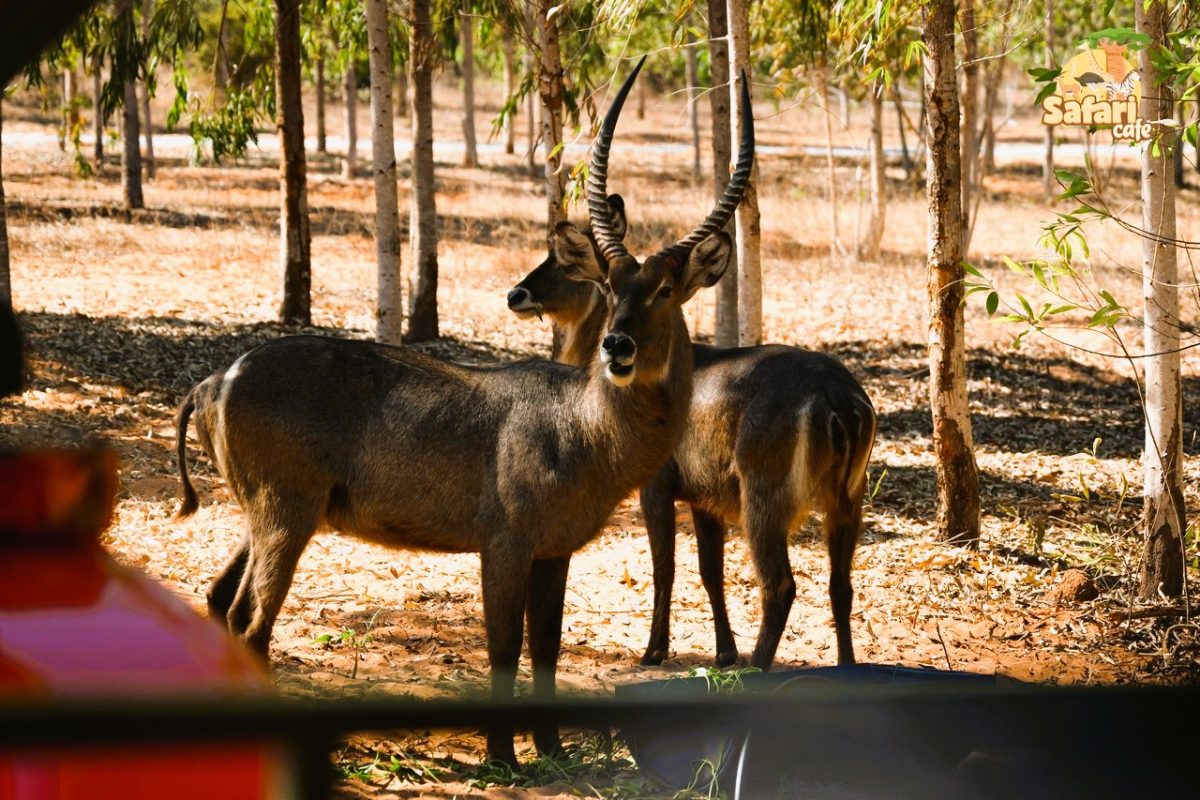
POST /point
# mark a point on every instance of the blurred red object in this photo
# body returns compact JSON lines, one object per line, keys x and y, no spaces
{"x":76,"y":624}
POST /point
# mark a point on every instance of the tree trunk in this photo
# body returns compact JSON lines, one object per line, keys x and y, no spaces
{"x":510,"y":89}
{"x":350,"y":109}
{"x":726,"y":334}
{"x":295,"y":241}
{"x":402,"y":101}
{"x":1049,"y":186}
{"x":991,"y":93}
{"x":131,"y":153}
{"x":5,"y":267}
{"x":746,"y":218}
{"x":970,"y":111}
{"x":423,"y":314}
{"x":868,"y":246}
{"x":550,"y":89}
{"x":1180,"y":179}
{"x":467,"y":34}
{"x":527,"y":60}
{"x":319,"y":69}
{"x":389,"y":311}
{"x":898,"y":102}
{"x":151,"y":167}
{"x":221,"y":67}
{"x":67,"y":108}
{"x":957,"y":476}
{"x":693,"y":92}
{"x":1163,"y":518}
{"x":97,"y":114}
{"x":835,"y":236}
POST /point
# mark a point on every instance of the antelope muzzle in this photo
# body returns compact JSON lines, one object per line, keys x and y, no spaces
{"x":618,"y":354}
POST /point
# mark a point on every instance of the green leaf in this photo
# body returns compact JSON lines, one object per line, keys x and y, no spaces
{"x":1014,"y":266}
{"x":992,"y":303}
{"x":1063,"y":308}
{"x":971,"y":270}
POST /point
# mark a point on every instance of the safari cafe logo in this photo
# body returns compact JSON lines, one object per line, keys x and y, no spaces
{"x":1099,"y":87}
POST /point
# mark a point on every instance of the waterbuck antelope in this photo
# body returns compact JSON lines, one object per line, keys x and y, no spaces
{"x":522,"y":462}
{"x":773,"y":433}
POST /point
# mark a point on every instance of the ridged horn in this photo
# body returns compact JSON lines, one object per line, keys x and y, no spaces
{"x":603,"y":225}
{"x":735,"y":190}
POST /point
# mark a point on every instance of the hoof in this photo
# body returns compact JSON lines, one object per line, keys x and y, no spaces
{"x":653,"y":658}
{"x":726,"y":658}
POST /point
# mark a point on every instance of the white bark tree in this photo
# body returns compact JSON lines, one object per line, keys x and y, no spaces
{"x":350,"y":109}
{"x":148,"y":126}
{"x":549,"y":81}
{"x":466,"y":27}
{"x":747,"y":217}
{"x":389,"y":311}
{"x":1048,"y":185}
{"x":868,"y":245}
{"x":510,"y":88}
{"x":1163,"y":520}
{"x":718,"y":49}
{"x":956,"y":472}
{"x":693,"y":93}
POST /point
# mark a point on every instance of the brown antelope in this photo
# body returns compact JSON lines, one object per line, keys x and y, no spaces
{"x":773,"y":433}
{"x":521,"y":463}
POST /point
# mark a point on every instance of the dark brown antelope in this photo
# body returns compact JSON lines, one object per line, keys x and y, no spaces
{"x":773,"y":433}
{"x":522,"y":462}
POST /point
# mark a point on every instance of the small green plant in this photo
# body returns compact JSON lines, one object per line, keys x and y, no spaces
{"x":722,"y":681}
{"x":349,"y":637}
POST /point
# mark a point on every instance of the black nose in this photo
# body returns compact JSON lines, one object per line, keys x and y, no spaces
{"x":618,"y":345}
{"x":518,"y":296}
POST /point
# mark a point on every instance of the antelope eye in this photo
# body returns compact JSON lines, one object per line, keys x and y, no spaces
{"x":664,"y":292}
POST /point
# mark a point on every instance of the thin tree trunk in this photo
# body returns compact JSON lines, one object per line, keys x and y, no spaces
{"x":402,"y":101}
{"x":221,"y":67}
{"x":510,"y":89}
{"x":957,"y":475}
{"x":530,"y":120}
{"x":319,"y":69}
{"x":151,"y":167}
{"x":6,"y":305}
{"x":1048,"y":183}
{"x":550,"y":89}
{"x":423,"y":313}
{"x":389,"y":310}
{"x":868,"y":246}
{"x":1180,"y":178}
{"x":718,"y":49}
{"x":97,"y":114}
{"x":746,"y":217}
{"x":835,"y":236}
{"x":641,"y":96}
{"x":131,"y":153}
{"x":991,"y":93}
{"x":693,"y":92}
{"x":350,"y":109}
{"x":295,"y":240}
{"x":970,"y":110}
{"x":898,"y":101}
{"x":1163,"y":518}
{"x":68,"y":108}
{"x":467,"y":35}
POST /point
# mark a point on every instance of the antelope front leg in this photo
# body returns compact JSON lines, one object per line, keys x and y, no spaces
{"x":544,"y":613}
{"x":658,"y":509}
{"x":506,"y":573}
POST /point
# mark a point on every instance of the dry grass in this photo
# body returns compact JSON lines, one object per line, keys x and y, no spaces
{"x":124,"y":315}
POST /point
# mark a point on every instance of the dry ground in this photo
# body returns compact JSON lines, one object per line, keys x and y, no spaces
{"x":124,"y":314}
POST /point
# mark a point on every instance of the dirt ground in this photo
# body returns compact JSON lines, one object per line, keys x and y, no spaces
{"x":124,"y":314}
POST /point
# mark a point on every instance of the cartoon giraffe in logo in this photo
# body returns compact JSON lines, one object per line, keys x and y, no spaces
{"x":1121,"y":78}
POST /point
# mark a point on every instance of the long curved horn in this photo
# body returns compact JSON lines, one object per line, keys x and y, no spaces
{"x":604,"y":227}
{"x":735,"y":190}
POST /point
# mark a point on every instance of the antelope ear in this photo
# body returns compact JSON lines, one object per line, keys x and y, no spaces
{"x":620,"y":223}
{"x":706,"y":263}
{"x":576,"y":255}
